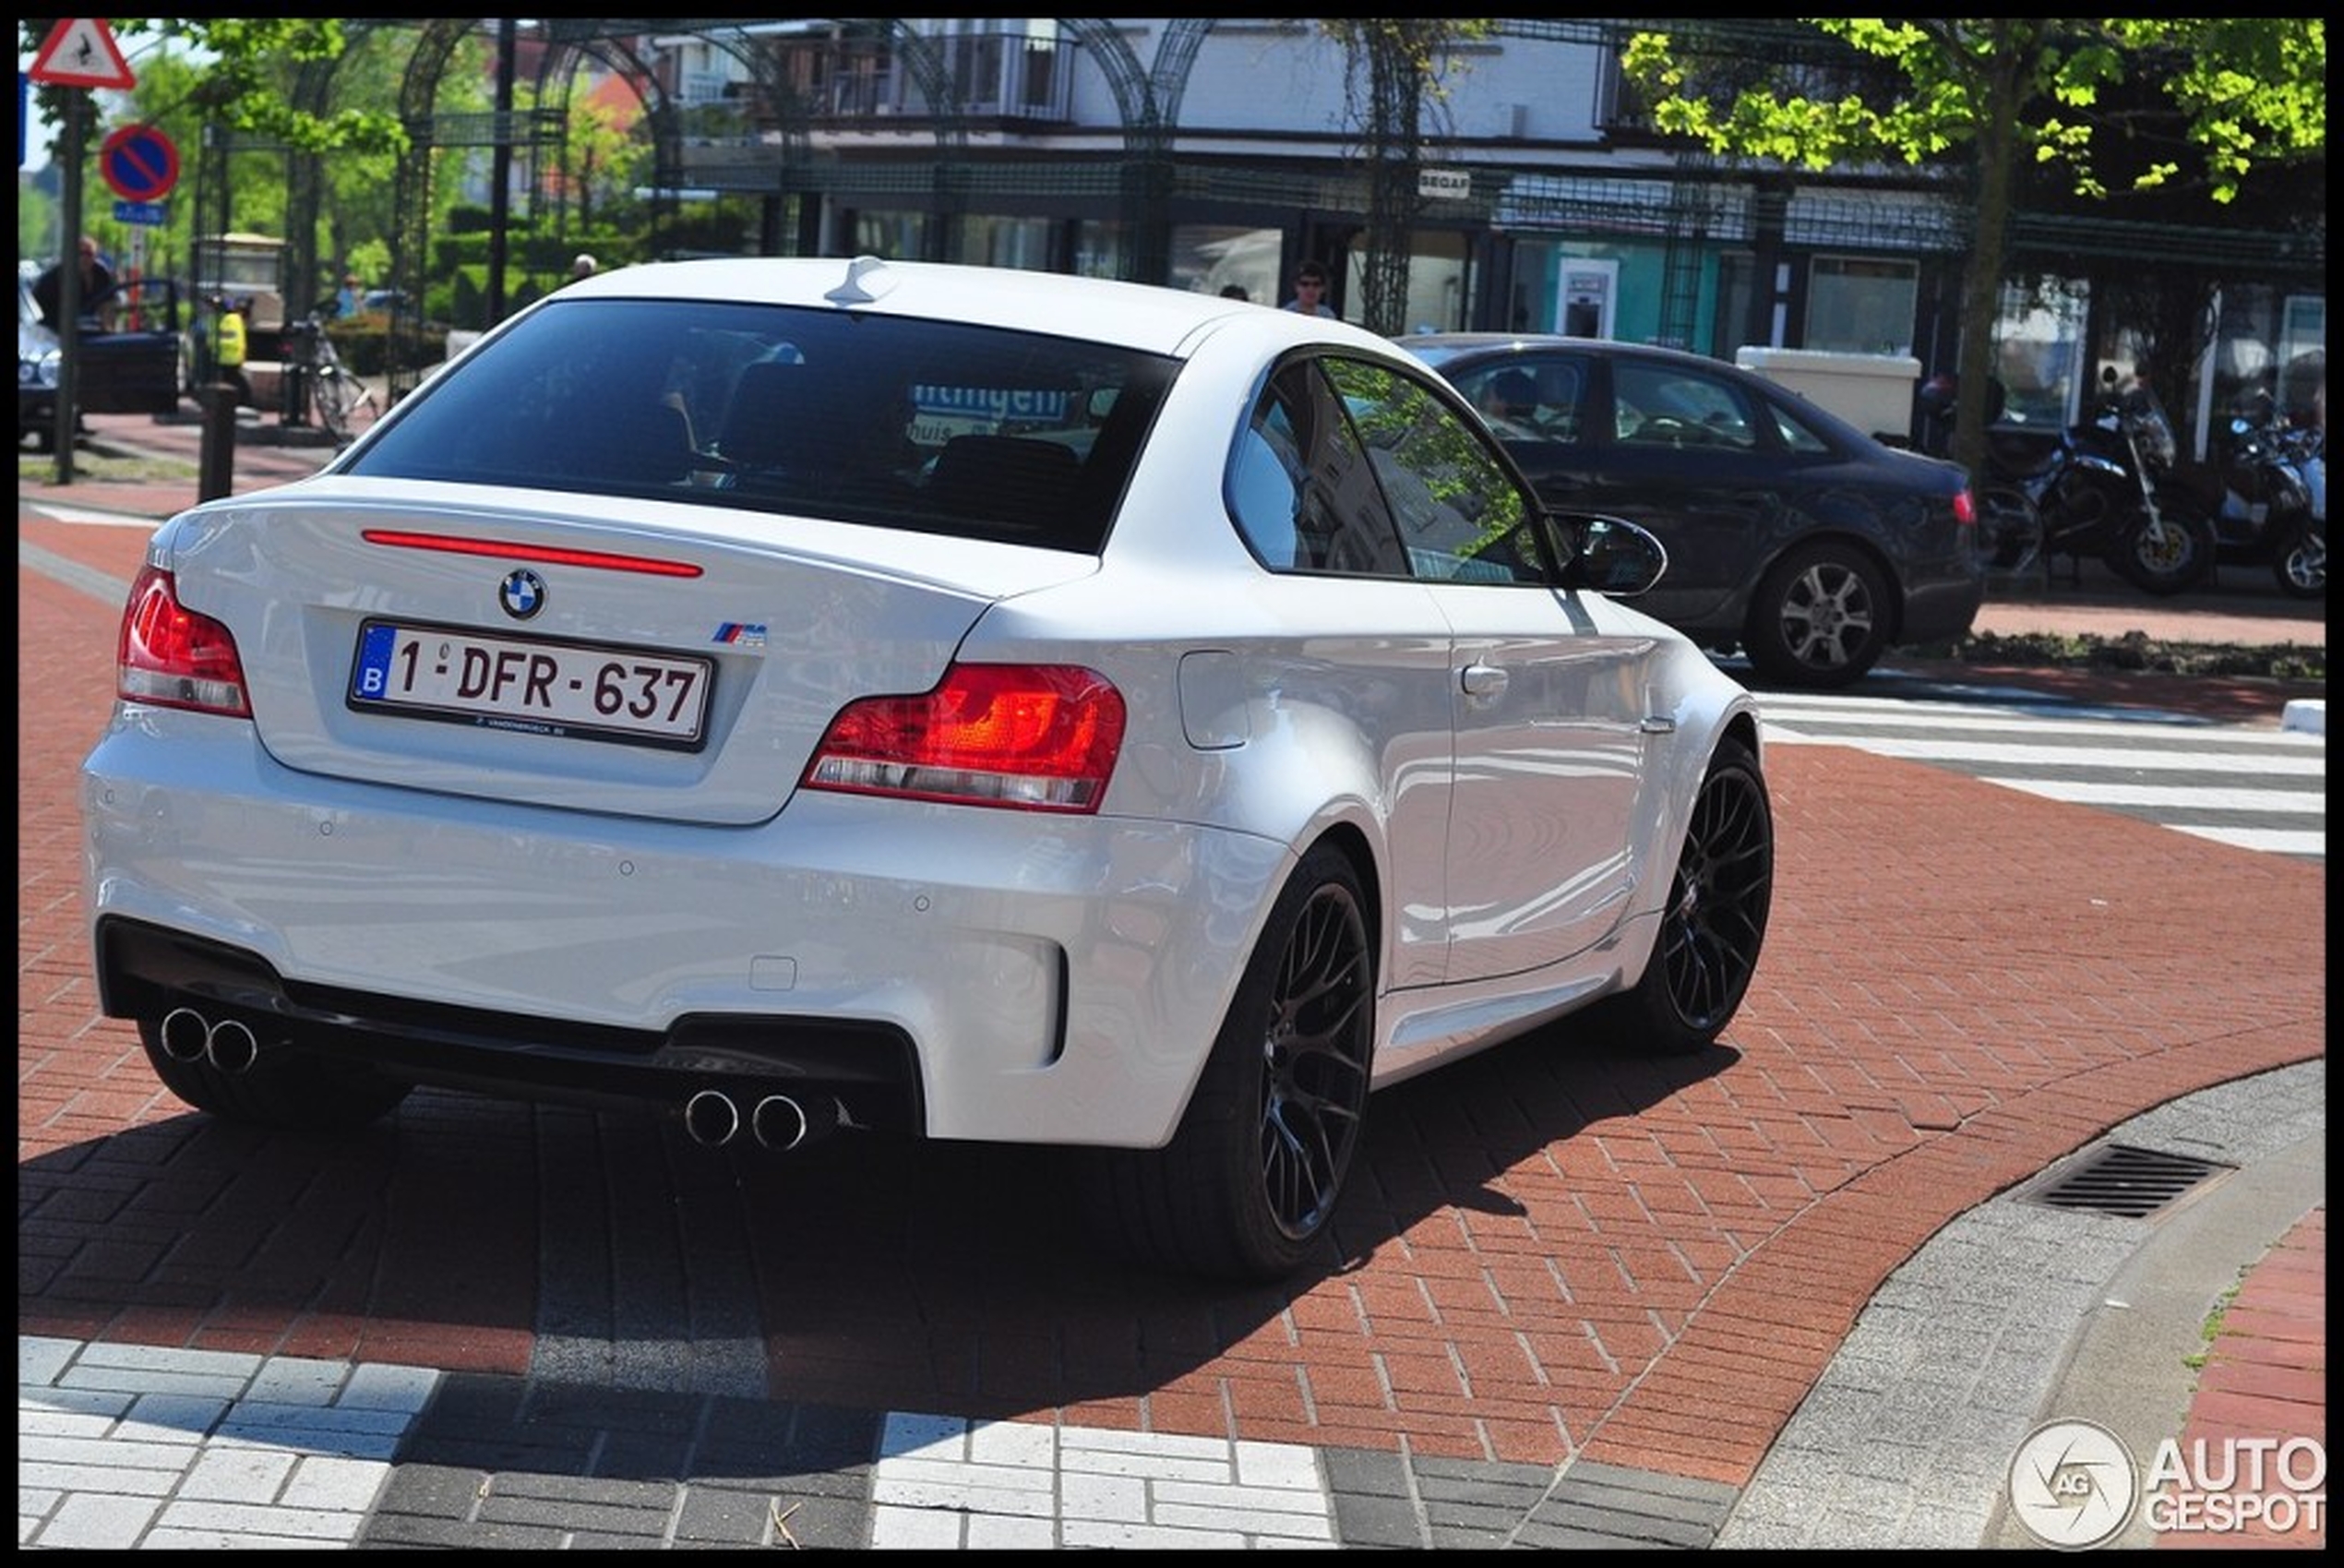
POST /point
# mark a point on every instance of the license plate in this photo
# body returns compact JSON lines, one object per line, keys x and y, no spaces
{"x":583,"y":691}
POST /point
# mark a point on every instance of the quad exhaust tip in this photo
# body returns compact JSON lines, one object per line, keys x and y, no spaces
{"x":779,"y":1122}
{"x":228,"y":1044}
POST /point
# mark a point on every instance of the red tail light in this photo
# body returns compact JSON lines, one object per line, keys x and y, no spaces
{"x":1034,"y":738}
{"x":1964,"y":507}
{"x":173,"y":658}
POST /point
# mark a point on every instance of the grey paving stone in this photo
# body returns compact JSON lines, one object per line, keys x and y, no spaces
{"x":431,"y":1490}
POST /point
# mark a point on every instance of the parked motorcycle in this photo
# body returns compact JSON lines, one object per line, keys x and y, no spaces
{"x":2104,"y":486}
{"x":2268,"y":494}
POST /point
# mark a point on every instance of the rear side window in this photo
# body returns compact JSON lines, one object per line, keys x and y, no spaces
{"x":1351,"y":467}
{"x":1301,"y":487}
{"x":928,"y":426}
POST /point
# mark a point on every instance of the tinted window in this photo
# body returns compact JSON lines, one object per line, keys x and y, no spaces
{"x":1529,"y":397}
{"x":1663,"y":405}
{"x":1460,"y":516}
{"x":926,"y":425}
{"x":1302,"y":488}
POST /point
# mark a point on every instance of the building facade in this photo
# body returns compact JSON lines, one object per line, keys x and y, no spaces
{"x":1207,"y":153}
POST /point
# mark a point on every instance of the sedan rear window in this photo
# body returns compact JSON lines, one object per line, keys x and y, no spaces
{"x":933,"y":426}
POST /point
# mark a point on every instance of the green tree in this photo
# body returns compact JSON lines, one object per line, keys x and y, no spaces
{"x":605,"y":162}
{"x":237,"y":74}
{"x":234,"y":78}
{"x":2013,"y":91}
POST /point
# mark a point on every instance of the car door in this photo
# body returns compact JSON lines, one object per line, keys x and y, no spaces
{"x":1689,"y":454}
{"x":1685,"y":453}
{"x":1549,"y":747}
{"x":131,"y":364}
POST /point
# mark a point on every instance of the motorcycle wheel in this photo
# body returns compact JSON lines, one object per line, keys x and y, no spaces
{"x":2170,"y":560}
{"x":2009,"y":531}
{"x":2301,"y":561}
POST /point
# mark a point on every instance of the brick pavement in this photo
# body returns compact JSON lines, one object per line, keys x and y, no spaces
{"x":1555,"y":1257}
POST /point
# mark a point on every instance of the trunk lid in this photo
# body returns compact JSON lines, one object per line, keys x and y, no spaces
{"x":656,"y":660}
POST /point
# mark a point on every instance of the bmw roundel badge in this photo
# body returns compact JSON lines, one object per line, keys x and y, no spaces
{"x":522,"y":593}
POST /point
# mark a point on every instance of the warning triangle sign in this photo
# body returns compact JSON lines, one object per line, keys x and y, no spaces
{"x":80,"y":51}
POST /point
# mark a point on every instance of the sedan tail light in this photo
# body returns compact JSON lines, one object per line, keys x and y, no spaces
{"x":172,"y":657}
{"x":1964,"y":507}
{"x":1033,"y":738}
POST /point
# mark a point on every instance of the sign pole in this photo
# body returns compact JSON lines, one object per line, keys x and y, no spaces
{"x":69,"y":285}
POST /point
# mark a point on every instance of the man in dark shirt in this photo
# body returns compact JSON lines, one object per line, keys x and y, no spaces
{"x":97,"y":279}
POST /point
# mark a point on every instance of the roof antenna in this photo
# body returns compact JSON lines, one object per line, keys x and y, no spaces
{"x":861,"y":287}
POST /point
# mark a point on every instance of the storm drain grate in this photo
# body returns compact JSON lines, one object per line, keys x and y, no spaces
{"x":2122,"y":1181}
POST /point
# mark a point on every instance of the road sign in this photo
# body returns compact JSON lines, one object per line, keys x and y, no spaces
{"x":146,"y":212}
{"x":140,"y":162}
{"x":80,"y":51}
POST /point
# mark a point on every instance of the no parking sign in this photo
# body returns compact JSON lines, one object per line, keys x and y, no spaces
{"x":140,"y":162}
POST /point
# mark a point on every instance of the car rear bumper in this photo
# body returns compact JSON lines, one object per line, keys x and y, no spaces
{"x":1940,"y":611}
{"x":1054,"y":979}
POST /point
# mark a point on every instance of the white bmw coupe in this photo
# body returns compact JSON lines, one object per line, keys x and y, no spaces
{"x":818,"y":697}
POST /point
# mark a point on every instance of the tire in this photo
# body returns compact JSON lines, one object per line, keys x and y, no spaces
{"x":1249,"y":1182}
{"x":295,"y":1093}
{"x":2299,"y":562}
{"x":2174,"y":564}
{"x":1714,"y":923}
{"x":2009,"y":531}
{"x":1820,"y":618}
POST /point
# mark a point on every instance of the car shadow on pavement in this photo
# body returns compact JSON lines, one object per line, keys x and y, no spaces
{"x":878,"y":1273}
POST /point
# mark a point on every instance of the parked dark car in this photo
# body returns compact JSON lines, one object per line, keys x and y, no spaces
{"x":1792,"y":536}
{"x":130,"y":364}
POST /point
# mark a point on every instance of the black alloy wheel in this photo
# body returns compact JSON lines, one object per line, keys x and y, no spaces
{"x":1247,"y":1186}
{"x":1714,"y":925}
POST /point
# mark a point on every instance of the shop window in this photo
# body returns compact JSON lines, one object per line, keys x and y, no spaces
{"x":1861,"y":304}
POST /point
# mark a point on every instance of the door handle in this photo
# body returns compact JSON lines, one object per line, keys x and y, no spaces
{"x":1483,"y":680}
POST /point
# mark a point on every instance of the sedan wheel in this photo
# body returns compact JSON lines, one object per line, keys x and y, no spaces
{"x":1820,"y":618}
{"x":1714,"y":922}
{"x":1249,"y":1183}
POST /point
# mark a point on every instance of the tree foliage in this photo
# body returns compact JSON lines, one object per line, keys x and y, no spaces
{"x":237,"y":78}
{"x":2008,"y":92}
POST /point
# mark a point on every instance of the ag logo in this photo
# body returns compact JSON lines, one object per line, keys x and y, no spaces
{"x":2071,"y":1484}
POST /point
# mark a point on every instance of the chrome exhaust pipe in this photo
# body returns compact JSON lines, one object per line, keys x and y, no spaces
{"x":232,"y":1046}
{"x":781,"y":1123}
{"x":712,"y":1118}
{"x":184,"y":1034}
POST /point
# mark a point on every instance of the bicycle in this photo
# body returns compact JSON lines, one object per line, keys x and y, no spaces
{"x":328,"y":390}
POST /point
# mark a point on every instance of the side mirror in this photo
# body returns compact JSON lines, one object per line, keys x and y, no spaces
{"x":1610,"y":555}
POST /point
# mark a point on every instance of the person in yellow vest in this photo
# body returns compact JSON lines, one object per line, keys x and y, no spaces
{"x":228,"y":346}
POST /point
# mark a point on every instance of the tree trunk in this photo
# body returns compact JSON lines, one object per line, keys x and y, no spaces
{"x":1998,"y":104}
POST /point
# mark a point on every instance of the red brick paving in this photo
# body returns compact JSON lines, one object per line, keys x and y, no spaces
{"x":2265,"y":1377}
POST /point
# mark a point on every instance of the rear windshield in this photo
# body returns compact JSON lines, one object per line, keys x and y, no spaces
{"x":928,"y":426}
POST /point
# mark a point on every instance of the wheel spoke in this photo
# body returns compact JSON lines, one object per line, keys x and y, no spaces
{"x":1710,"y":940}
{"x":1315,"y":1064}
